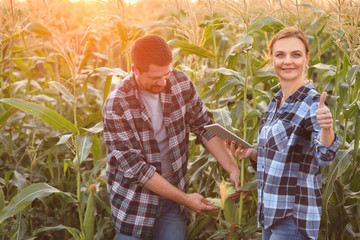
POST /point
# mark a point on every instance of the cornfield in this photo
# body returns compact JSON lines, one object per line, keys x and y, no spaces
{"x":60,"y":59}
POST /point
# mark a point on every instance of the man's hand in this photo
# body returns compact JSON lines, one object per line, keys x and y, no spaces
{"x":234,"y":178}
{"x":198,"y":203}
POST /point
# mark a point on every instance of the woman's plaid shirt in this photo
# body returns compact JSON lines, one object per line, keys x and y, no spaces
{"x":133,"y":152}
{"x":289,"y":160}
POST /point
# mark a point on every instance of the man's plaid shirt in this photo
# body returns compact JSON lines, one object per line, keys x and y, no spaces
{"x":289,"y":160}
{"x":133,"y":152}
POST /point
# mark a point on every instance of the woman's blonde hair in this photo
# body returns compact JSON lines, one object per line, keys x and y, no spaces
{"x":289,"y":32}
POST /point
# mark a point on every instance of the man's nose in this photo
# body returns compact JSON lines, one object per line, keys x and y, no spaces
{"x":162,"y":82}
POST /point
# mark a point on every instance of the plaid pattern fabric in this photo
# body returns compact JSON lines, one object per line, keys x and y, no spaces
{"x":289,"y":160}
{"x":133,"y":152}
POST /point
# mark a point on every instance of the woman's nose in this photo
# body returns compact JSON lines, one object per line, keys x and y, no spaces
{"x":288,"y":60}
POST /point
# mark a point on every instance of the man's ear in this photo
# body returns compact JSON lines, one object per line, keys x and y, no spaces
{"x":135,"y":70}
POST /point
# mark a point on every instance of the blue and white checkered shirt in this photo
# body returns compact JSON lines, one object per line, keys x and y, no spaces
{"x":289,"y":160}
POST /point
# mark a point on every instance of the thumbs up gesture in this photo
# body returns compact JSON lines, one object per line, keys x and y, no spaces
{"x":323,"y":114}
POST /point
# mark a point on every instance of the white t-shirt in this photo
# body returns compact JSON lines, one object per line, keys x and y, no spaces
{"x":152,"y":103}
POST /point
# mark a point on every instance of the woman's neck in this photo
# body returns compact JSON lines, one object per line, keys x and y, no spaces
{"x":290,"y":87}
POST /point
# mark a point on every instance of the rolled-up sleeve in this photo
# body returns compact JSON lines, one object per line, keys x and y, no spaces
{"x":323,"y":154}
{"x":124,"y":150}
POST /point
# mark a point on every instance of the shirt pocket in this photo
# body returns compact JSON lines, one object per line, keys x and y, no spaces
{"x":279,"y":134}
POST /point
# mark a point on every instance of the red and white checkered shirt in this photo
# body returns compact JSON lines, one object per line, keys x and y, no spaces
{"x":133,"y":152}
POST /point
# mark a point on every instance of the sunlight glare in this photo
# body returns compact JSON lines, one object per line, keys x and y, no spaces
{"x":129,"y":2}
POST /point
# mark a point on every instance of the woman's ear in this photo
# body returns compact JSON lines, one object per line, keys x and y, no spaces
{"x":307,"y":58}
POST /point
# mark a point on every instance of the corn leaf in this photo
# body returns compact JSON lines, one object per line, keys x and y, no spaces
{"x":105,"y":71}
{"x":25,"y":197}
{"x":50,"y":229}
{"x":6,"y":115}
{"x":95,"y":129}
{"x":75,"y":233}
{"x":337,"y":169}
{"x":357,"y":132}
{"x":194,"y":229}
{"x":19,"y":180}
{"x":222,"y":116}
{"x":241,"y":45}
{"x":47,"y":115}
{"x":2,"y":199}
{"x":322,"y":66}
{"x":89,"y":218}
{"x":107,"y":87}
{"x":267,"y":23}
{"x":216,"y":202}
{"x":228,"y":85}
{"x":37,"y":28}
{"x":96,"y":148}
{"x":49,"y":162}
{"x":63,"y":139}
{"x":84,"y":145}
{"x":67,"y":96}
{"x":351,"y":74}
{"x":230,"y":211}
{"x":191,"y":48}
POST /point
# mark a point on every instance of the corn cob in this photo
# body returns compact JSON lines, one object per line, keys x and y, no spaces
{"x":223,"y":190}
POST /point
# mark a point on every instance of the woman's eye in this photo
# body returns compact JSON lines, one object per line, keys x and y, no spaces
{"x":297,"y":55}
{"x":279,"y":55}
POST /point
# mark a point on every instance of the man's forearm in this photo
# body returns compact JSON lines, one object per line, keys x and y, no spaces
{"x":194,"y":201}
{"x":159,"y":185}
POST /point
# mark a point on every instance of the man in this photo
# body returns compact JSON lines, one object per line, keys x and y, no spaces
{"x":147,"y":120}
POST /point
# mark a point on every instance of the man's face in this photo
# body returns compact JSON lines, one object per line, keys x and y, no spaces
{"x":154,"y":80}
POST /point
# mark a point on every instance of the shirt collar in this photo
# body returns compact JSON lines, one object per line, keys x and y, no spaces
{"x":299,"y":95}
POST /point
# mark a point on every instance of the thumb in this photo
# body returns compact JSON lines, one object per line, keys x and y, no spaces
{"x":237,"y":185}
{"x":207,"y":202}
{"x":322,"y":100}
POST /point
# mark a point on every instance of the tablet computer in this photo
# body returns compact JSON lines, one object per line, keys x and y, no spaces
{"x":223,"y":133}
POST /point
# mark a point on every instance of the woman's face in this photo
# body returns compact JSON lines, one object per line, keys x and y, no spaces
{"x":289,"y":59}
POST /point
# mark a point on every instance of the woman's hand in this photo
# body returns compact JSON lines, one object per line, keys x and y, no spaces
{"x":325,"y":121}
{"x":240,"y":152}
{"x":323,"y":114}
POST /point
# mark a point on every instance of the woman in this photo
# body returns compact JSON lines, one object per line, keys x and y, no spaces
{"x":295,"y":138}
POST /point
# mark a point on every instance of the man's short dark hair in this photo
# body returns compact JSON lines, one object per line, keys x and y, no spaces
{"x":151,"y":49}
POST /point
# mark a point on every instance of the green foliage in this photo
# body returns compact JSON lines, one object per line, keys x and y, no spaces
{"x":24,"y":198}
{"x":46,"y":114}
{"x":89,"y":219}
{"x":57,"y":68}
